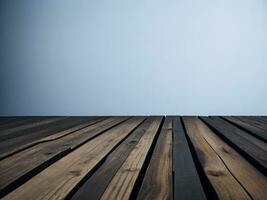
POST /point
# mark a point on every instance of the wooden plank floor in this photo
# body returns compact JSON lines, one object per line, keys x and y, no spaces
{"x":145,"y":157}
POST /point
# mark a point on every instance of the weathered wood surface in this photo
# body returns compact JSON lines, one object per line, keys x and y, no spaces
{"x":133,"y":158}
{"x":19,"y":123}
{"x":35,"y":133}
{"x":22,"y":164}
{"x":157,"y":182}
{"x":218,"y":174}
{"x":95,"y":186}
{"x":258,"y":128}
{"x":185,"y":174}
{"x":58,"y":180}
{"x":237,"y":165}
{"x":122,"y":184}
{"x":250,"y":146}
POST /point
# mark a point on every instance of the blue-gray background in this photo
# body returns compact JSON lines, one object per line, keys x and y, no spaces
{"x":130,"y":57}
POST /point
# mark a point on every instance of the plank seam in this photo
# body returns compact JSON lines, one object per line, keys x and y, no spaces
{"x":142,"y":173}
{"x":21,"y":180}
{"x":227,"y":167}
{"x":209,"y":191}
{"x":244,"y":129}
{"x":249,"y":158}
{"x":89,"y":174}
{"x":45,"y":140}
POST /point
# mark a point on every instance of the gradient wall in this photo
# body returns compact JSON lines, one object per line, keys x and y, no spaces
{"x":122,"y":57}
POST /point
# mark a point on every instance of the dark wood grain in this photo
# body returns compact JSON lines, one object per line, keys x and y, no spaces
{"x":258,"y":131}
{"x":31,"y":160}
{"x":58,"y":180}
{"x":20,"y":123}
{"x":186,"y":178}
{"x":248,"y":176}
{"x":223,"y":182}
{"x":95,"y":186}
{"x":28,"y":128}
{"x":133,"y":158}
{"x":122,"y":184}
{"x":157,"y":182}
{"x":253,"y":148}
{"x":36,"y":133}
{"x":259,"y":122}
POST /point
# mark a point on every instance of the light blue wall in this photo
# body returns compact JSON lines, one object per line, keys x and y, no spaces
{"x":122,"y":57}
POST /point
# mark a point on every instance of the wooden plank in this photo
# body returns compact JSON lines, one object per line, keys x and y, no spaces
{"x":259,"y":122}
{"x":22,"y":121}
{"x":157,"y":182}
{"x":225,"y":185}
{"x":6,"y":120}
{"x":263,"y":118}
{"x":186,"y":178}
{"x":58,"y":180}
{"x":122,"y":184}
{"x":258,"y":132}
{"x":52,"y":135}
{"x":95,"y":186}
{"x":248,"y":176}
{"x":37,"y":133}
{"x":26,"y":128}
{"x":254,"y":149}
{"x":22,"y":165}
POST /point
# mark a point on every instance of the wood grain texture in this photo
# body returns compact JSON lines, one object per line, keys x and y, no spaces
{"x":22,"y":130}
{"x":33,"y":134}
{"x":20,"y":122}
{"x":255,"y":130}
{"x":157,"y":183}
{"x":122,"y":184}
{"x":252,"y":147}
{"x":126,"y":157}
{"x":95,"y":186}
{"x":248,"y":176}
{"x":58,"y":180}
{"x":185,"y":175}
{"x":260,"y":122}
{"x":53,"y":134}
{"x":28,"y":162}
{"x":214,"y":168}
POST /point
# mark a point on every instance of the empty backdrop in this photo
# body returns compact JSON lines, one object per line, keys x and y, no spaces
{"x":133,"y":57}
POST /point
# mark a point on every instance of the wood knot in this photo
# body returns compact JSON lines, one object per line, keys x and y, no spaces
{"x":225,"y":150}
{"x":130,"y":170}
{"x":215,"y":172}
{"x":75,"y":172}
{"x":48,"y":153}
{"x":132,"y":142}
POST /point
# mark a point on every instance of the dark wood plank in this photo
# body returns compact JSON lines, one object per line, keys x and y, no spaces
{"x":223,"y":182}
{"x":263,"y":118}
{"x":6,"y":120}
{"x":185,"y":176}
{"x":251,"y":147}
{"x":157,"y":182}
{"x":122,"y":184}
{"x":258,"y":122}
{"x":27,"y":128}
{"x":20,"y":122}
{"x":258,"y":132}
{"x":95,"y":186}
{"x":47,"y":134}
{"x":22,"y":165}
{"x":36,"y":133}
{"x":248,"y":176}
{"x":58,"y":180}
